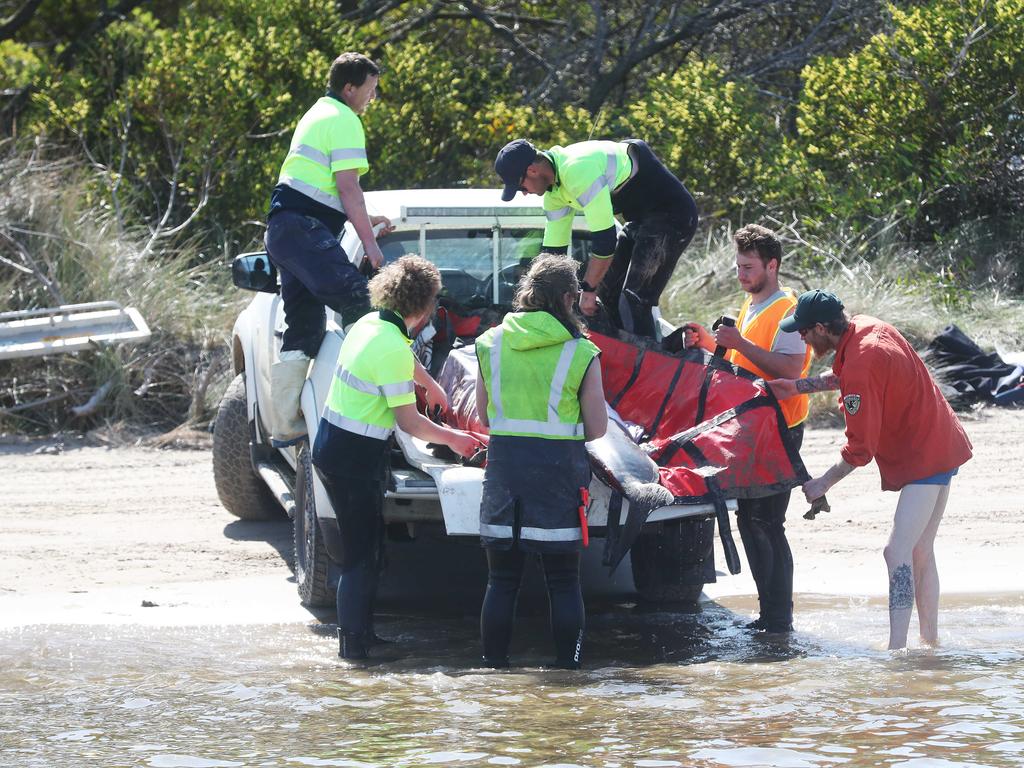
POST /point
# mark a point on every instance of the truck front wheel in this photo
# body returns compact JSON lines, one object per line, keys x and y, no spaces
{"x":240,"y":490}
{"x":311,"y":558}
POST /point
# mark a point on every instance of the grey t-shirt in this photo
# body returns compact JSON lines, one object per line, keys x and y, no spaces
{"x":786,"y":343}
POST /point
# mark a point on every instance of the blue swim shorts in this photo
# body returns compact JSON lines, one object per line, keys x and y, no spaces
{"x":942,"y":478}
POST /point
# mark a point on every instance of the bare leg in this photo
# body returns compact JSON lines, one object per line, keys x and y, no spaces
{"x":913,"y":514}
{"x":926,"y":574}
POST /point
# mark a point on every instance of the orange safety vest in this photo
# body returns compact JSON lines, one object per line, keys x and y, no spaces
{"x":762,"y":332}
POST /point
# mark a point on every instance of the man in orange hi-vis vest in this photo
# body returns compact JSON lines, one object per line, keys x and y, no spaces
{"x":757,"y":344}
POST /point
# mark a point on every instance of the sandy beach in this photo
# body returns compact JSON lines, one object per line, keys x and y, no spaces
{"x":96,"y":534}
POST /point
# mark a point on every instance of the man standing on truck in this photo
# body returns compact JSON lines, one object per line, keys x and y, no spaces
{"x":896,"y":415}
{"x":317,"y":192}
{"x":757,"y":344}
{"x":603,"y":178}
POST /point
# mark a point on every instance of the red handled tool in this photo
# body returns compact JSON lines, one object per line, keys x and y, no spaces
{"x":584,"y":503}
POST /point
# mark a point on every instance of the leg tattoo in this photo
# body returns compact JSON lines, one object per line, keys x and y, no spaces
{"x":901,"y":588}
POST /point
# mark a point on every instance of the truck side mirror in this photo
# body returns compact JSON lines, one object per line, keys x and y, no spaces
{"x":254,"y":272}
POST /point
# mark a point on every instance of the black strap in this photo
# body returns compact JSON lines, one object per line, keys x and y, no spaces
{"x":702,"y":398}
{"x":664,"y":403}
{"x":632,"y":379}
{"x":732,"y":557}
{"x":614,"y":526}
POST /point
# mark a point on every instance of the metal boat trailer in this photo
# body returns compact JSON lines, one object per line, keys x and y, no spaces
{"x":69,"y":328}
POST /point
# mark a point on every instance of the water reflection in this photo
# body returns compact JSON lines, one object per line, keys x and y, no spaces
{"x":661,"y":689}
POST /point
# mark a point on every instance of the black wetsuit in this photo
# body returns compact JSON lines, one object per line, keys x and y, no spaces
{"x":661,"y":219}
{"x":762,"y":525}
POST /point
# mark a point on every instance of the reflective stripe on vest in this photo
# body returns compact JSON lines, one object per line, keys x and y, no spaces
{"x":552,"y":427}
{"x":358,"y":427}
{"x":361,"y":385}
{"x":314,"y":154}
{"x":325,"y":198}
{"x":551,"y":534}
{"x":561,"y":213}
{"x":608,"y":180}
{"x":531,"y":533}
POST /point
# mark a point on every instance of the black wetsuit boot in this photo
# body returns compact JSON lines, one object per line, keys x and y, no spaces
{"x":565,"y":598}
{"x":351,"y":646}
{"x":355,"y":586}
{"x":497,"y":614}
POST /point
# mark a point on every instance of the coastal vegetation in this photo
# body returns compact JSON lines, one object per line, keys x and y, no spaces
{"x":139,"y":142}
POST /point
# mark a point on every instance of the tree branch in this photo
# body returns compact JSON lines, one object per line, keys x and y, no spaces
{"x":48,"y":284}
{"x":481,"y":15}
{"x":16,"y":105}
{"x":18,"y":19}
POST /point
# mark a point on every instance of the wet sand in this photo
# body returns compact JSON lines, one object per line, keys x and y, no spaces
{"x":93,"y":534}
{"x":140,"y":624}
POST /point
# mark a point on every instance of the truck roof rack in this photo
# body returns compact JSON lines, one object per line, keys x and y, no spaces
{"x":426,"y":214}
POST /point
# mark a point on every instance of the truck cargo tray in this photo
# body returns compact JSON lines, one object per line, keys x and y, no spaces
{"x":68,"y":328}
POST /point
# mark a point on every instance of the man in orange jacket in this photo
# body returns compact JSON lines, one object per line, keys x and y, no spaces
{"x":758,"y":345}
{"x":896,"y":415}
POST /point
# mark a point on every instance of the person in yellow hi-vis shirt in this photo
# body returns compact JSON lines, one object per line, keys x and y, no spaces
{"x":317,"y":191}
{"x":757,"y":344}
{"x":374,"y":389}
{"x":629,"y":270}
{"x":540,"y":393}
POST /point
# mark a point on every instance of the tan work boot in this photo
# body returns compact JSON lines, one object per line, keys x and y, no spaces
{"x":286,"y":379}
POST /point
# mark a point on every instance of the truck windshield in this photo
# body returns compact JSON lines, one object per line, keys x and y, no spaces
{"x":466,"y":259}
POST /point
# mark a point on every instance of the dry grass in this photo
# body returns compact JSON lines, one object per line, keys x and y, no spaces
{"x":905,"y":285}
{"x":59,"y":245}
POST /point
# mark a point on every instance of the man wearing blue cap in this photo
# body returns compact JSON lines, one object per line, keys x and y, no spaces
{"x":630,"y":269}
{"x":896,"y":415}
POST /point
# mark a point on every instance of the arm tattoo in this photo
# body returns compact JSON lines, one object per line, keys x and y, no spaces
{"x":901,"y":588}
{"x":823,"y":383}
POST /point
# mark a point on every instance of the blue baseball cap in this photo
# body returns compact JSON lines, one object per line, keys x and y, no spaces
{"x":511,"y":163}
{"x":813,"y":307}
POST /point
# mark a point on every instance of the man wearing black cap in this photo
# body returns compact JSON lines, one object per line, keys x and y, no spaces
{"x":600,"y":179}
{"x":896,"y":415}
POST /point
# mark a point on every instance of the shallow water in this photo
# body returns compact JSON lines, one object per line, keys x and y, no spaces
{"x":660,"y":689}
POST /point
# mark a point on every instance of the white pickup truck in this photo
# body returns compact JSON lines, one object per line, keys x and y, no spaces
{"x":477,"y":242}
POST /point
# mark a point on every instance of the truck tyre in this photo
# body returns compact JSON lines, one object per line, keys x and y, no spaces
{"x":311,"y":558}
{"x":668,"y":565}
{"x":240,"y":489}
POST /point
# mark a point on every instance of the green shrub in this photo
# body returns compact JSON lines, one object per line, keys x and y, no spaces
{"x":925,"y":120}
{"x":190,"y":123}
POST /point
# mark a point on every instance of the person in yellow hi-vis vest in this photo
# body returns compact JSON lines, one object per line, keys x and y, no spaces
{"x":372,"y":391}
{"x":540,"y":393}
{"x":629,"y":269}
{"x":317,"y":191}
{"x":757,"y":344}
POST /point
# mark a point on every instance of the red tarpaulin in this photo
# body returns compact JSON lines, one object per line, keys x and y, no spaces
{"x":706,"y":423}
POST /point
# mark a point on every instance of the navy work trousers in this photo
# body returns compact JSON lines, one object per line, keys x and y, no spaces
{"x":357,"y":506}
{"x":314,"y":271}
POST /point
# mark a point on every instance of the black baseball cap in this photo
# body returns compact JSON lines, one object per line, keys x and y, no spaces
{"x":511,"y":163}
{"x":813,"y":307}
